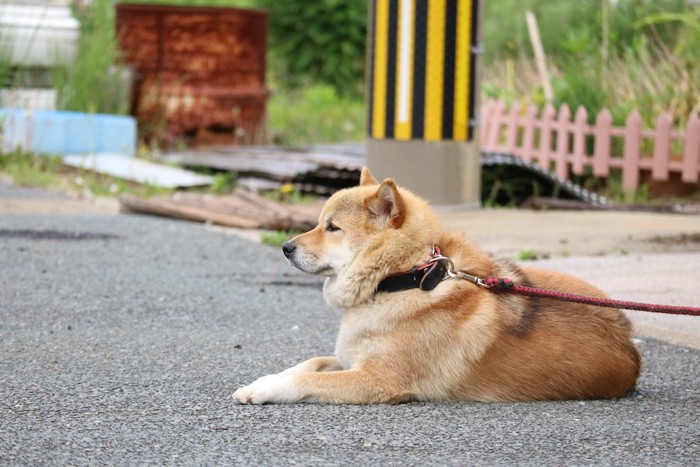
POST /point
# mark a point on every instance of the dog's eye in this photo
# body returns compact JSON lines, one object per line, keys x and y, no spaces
{"x":330,"y":227}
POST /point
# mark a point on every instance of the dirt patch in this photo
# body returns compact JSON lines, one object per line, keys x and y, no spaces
{"x":682,"y":239}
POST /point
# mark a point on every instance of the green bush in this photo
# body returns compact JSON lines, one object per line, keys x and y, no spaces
{"x":581,"y":86}
{"x":574,"y":27}
{"x":320,"y":42}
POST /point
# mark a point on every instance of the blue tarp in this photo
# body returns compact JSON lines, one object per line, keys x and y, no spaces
{"x":64,"y":133}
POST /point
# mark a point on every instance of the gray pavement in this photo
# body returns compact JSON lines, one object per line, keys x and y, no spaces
{"x":123,"y":337}
{"x":668,"y":278}
{"x":508,"y":232}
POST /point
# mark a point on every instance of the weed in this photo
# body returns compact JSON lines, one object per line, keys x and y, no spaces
{"x":224,"y":182}
{"x":508,"y":186}
{"x":614,"y":190}
{"x":527,"y":255}
{"x":287,"y":194}
{"x":623,"y":251}
{"x":278,"y":238}
{"x":28,"y":170}
{"x":95,"y":83}
{"x":90,"y":184}
{"x":49,"y":172}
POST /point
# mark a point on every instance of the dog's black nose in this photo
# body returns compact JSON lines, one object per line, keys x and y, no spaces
{"x":288,"y":248}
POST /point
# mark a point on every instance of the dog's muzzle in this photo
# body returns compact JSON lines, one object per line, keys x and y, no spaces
{"x":304,"y":262}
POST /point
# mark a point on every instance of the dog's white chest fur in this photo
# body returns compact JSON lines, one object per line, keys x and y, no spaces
{"x":362,"y":333}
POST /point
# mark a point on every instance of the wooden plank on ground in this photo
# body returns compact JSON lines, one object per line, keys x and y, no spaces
{"x":240,"y":209}
{"x":172,"y":208}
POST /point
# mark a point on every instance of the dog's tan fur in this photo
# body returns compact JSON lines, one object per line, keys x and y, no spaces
{"x":456,"y":342}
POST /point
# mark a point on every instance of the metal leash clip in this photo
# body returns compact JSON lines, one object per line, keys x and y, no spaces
{"x":450,"y":270}
{"x":468,"y":277}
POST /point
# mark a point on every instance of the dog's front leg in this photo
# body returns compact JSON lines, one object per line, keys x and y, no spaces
{"x":354,"y":386}
{"x":311,"y":365}
{"x":314,"y":365}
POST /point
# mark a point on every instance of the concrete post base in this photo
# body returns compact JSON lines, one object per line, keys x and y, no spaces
{"x":446,"y":173}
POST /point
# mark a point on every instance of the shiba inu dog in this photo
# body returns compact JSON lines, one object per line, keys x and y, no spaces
{"x":412,"y":330}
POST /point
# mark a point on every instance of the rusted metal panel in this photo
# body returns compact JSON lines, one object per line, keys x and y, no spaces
{"x":200,"y":70}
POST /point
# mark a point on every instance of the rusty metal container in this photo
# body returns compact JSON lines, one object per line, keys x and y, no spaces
{"x":200,"y":71}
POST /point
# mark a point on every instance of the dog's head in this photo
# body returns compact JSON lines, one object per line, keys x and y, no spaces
{"x":380,"y":225}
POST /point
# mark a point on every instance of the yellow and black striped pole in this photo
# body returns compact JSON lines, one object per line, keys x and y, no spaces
{"x":422,"y":81}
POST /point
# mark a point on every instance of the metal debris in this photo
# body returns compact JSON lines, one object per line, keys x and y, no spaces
{"x":137,"y":170}
{"x":321,"y":169}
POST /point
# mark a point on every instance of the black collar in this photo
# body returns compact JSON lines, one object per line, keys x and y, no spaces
{"x":425,"y":277}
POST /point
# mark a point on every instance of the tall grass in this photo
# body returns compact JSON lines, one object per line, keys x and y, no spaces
{"x":314,"y":115}
{"x":651,"y":63}
{"x":95,"y":83}
{"x":647,"y":77}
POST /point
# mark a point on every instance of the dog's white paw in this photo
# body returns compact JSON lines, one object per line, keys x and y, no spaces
{"x":269,"y":389}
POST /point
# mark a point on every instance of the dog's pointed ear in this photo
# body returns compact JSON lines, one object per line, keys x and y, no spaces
{"x":366,"y":178}
{"x":386,"y":205}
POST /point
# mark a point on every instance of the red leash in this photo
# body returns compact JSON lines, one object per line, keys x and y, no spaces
{"x":498,"y":284}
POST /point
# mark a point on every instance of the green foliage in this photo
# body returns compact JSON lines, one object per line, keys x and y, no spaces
{"x":581,"y":86}
{"x":321,"y":41}
{"x":278,"y":238}
{"x":574,"y":27}
{"x":25,"y":169}
{"x":505,"y":32}
{"x":95,"y":83}
{"x":48,"y":171}
{"x":224,"y":182}
{"x":223,"y":3}
{"x":287,"y":194}
{"x":503,"y":186}
{"x":315,"y":114}
{"x":5,"y":66}
{"x":611,"y":187}
{"x":682,"y":88}
{"x":630,"y":18}
{"x":614,"y":191}
{"x":527,"y":255}
{"x":91,"y":184}
{"x":648,"y":63}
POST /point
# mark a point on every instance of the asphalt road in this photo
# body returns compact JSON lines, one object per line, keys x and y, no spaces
{"x":122,"y":339}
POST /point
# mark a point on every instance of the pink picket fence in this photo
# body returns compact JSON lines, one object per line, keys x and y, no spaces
{"x":567,"y":146}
